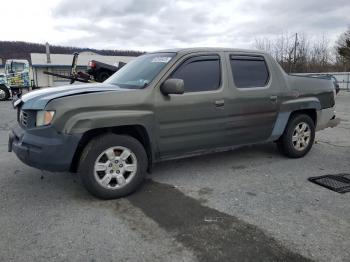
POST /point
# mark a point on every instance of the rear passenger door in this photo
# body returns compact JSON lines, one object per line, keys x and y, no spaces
{"x":193,"y":121}
{"x":253,"y":103}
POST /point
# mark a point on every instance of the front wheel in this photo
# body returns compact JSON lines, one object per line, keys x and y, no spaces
{"x":298,"y":136}
{"x":4,"y":93}
{"x":113,"y":166}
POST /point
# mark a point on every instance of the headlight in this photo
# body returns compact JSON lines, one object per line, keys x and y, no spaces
{"x":44,"y":118}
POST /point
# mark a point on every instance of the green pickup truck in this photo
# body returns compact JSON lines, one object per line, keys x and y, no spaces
{"x":165,"y":105}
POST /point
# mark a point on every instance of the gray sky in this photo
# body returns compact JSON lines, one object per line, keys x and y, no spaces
{"x":158,"y":24}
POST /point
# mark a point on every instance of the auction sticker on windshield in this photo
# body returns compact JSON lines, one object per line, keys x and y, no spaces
{"x":161,"y":59}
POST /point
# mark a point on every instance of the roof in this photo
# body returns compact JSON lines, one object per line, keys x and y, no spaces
{"x":8,"y":61}
{"x":210,"y":49}
{"x":39,"y":59}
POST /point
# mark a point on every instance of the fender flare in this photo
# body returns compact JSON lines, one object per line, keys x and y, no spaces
{"x":287,"y":108}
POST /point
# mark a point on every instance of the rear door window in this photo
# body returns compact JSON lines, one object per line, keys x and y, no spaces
{"x":249,"y":71}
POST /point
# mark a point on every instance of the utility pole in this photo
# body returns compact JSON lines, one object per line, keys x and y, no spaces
{"x":295,"y":49}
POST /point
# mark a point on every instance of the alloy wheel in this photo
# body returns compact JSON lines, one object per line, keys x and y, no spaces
{"x":115,"y":167}
{"x":301,"y":136}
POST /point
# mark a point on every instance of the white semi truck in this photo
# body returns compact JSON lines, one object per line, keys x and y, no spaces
{"x":15,"y":79}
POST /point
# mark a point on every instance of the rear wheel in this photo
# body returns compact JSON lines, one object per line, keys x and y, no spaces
{"x":4,"y":93}
{"x":102,"y":76}
{"x":113,"y":166}
{"x":298,"y":136}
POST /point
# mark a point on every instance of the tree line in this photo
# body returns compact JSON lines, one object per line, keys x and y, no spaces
{"x":295,"y":53}
{"x":298,"y":53}
{"x":22,"y":50}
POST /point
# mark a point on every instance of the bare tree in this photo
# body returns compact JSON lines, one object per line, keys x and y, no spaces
{"x":298,"y":53}
{"x":319,"y":60}
{"x":264,"y":44}
{"x":282,"y":48}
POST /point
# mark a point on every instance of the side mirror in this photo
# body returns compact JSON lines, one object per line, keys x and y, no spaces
{"x":173,"y":86}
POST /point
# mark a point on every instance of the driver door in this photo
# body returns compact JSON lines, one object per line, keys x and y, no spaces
{"x":193,"y":121}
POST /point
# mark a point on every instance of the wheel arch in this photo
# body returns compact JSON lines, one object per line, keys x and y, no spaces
{"x":138,"y":132}
{"x":307,"y":106}
{"x":311,"y":112}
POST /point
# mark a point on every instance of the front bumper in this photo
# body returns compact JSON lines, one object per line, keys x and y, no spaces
{"x":43,"y":147}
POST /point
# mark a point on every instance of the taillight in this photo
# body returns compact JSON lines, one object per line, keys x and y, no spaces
{"x":92,"y":64}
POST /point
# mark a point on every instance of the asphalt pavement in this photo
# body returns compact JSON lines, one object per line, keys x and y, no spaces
{"x":250,"y":204}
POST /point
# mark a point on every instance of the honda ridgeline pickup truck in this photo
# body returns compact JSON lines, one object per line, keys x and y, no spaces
{"x":165,"y":105}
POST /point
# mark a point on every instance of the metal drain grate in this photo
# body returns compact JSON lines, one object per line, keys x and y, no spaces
{"x":339,"y":183}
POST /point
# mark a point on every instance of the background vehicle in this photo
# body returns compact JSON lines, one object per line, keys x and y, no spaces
{"x":167,"y":105}
{"x":16,"y":78}
{"x":96,"y":72}
{"x":101,"y":71}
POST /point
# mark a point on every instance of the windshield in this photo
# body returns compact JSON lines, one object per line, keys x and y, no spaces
{"x":15,"y":67}
{"x":140,"y":72}
{"x":18,"y":67}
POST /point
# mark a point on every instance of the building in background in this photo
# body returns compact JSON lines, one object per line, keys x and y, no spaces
{"x":61,"y":64}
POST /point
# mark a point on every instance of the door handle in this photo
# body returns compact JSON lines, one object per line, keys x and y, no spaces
{"x":273,"y":98}
{"x":219,"y":103}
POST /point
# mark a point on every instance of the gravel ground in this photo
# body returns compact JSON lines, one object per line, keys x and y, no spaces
{"x":245,"y":205}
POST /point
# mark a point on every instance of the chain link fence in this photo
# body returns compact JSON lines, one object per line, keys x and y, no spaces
{"x":343,"y":79}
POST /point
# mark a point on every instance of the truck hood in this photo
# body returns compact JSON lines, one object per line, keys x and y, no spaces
{"x":38,"y":99}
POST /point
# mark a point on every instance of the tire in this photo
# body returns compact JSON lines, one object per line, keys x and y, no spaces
{"x":102,"y":76}
{"x":102,"y":161}
{"x":4,"y":93}
{"x":294,"y":142}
